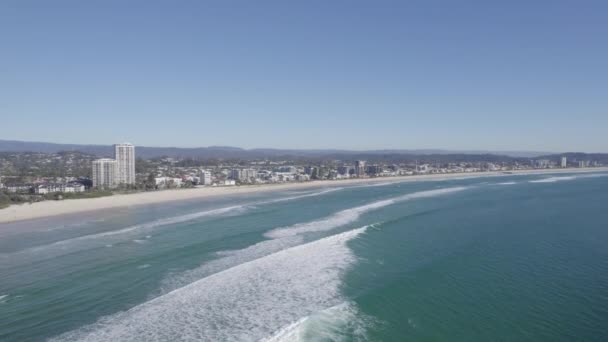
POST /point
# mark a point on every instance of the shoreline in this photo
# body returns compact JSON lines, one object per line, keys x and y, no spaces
{"x":50,"y":208}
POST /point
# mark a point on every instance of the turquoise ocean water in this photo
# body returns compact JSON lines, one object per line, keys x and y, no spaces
{"x":513,"y":258}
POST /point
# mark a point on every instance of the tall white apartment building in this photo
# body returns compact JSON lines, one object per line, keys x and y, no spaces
{"x":564,"y":162}
{"x":124,"y":154}
{"x":105,"y":173}
{"x":205,"y":177}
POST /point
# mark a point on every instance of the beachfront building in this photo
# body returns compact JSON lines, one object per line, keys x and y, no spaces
{"x":360,"y":168}
{"x":168,"y":182}
{"x":374,"y":169}
{"x":249,"y":175}
{"x":311,"y":170}
{"x":18,"y":188}
{"x":243,"y":175}
{"x":60,"y":187}
{"x":564,"y":162}
{"x":344,"y":170}
{"x":235,"y":174}
{"x":205,"y":177}
{"x":73,"y":187}
{"x":105,"y":173}
{"x":124,"y":154}
{"x":287,"y":169}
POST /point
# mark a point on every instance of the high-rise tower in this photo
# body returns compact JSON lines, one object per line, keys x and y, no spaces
{"x":125,"y":157}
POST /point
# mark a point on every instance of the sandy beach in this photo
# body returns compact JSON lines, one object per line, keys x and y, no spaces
{"x":54,"y":208}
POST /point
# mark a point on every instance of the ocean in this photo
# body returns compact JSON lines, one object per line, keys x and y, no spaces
{"x":510,"y":258}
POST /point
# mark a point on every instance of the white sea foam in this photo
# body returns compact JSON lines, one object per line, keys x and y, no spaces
{"x":343,"y":322}
{"x":3,"y":298}
{"x":378,"y":184}
{"x":506,"y":183}
{"x":567,"y":178}
{"x":247,"y":302}
{"x":144,"y":227}
{"x":553,"y":179}
{"x":228,"y":259}
{"x":593,"y":175}
{"x":141,"y":267}
{"x":108,"y":239}
{"x":283,"y":238}
{"x":350,"y":215}
{"x":291,"y":198}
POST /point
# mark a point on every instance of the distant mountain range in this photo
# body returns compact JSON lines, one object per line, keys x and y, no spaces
{"x":227,"y":152}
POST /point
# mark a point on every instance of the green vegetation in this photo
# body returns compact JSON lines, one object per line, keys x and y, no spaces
{"x":30,"y":165}
{"x":5,"y":201}
{"x":74,"y":195}
{"x":8,"y":198}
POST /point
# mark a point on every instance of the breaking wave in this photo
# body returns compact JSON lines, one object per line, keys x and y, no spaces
{"x":275,"y":290}
{"x":106,"y":238}
{"x":79,"y":243}
{"x":567,"y":178}
{"x":350,"y":215}
{"x":343,"y":322}
{"x":553,"y":179}
{"x":250,"y":301}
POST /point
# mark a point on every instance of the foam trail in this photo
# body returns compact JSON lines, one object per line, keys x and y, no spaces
{"x":566,"y":178}
{"x":506,"y":183}
{"x":593,"y":175}
{"x":245,"y":303}
{"x":233,"y":210}
{"x":80,"y":241}
{"x":350,"y":215}
{"x":318,"y":193}
{"x":378,"y":184}
{"x":342,"y":322}
{"x":163,"y":222}
{"x":179,"y":219}
{"x":553,"y":179}
{"x":228,"y":259}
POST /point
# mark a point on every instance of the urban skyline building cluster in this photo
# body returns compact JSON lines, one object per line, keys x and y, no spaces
{"x":109,"y":173}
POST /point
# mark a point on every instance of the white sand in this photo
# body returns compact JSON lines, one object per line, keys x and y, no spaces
{"x":54,"y":208}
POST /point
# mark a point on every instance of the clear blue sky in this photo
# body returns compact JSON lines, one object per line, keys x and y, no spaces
{"x":493,"y":75}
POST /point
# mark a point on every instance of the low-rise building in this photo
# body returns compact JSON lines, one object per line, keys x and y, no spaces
{"x":168,"y":182}
{"x":22,"y":188}
{"x":50,"y":188}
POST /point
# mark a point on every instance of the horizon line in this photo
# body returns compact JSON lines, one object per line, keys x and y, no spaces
{"x":303,"y":149}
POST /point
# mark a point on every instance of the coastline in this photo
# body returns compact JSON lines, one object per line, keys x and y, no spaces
{"x":44,"y":209}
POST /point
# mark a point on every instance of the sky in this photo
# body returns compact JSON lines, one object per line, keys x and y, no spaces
{"x":360,"y":75}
